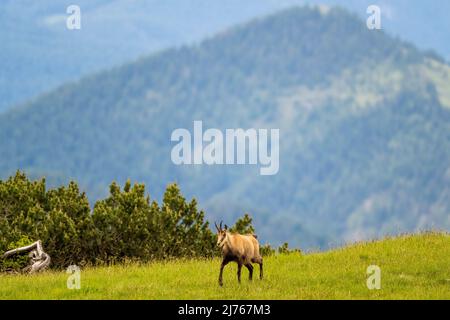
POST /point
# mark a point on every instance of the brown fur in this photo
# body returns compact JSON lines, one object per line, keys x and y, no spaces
{"x":242,"y":249}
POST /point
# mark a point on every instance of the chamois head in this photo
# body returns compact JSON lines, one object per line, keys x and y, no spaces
{"x":221,"y":233}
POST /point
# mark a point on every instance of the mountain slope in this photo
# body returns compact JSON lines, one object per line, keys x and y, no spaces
{"x":38,"y":53}
{"x":412,"y":267}
{"x":364,"y":122}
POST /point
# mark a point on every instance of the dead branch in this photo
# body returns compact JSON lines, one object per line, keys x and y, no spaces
{"x":39,"y":260}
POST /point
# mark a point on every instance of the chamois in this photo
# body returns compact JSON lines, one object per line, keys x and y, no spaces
{"x":242,"y":249}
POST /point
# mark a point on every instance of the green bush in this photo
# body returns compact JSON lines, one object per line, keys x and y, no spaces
{"x":243,"y":225}
{"x":125,"y":226}
{"x":267,"y":250}
{"x":19,"y":261}
{"x":60,"y":218}
{"x":128,"y":226}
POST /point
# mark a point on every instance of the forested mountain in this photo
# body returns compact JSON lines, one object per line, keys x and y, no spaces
{"x":364,"y":125}
{"x":38,"y":52}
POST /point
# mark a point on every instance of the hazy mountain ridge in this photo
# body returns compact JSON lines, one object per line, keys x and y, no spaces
{"x":364,"y":149}
{"x":38,"y":53}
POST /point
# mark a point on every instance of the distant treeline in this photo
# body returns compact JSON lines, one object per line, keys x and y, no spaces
{"x":126,"y":226}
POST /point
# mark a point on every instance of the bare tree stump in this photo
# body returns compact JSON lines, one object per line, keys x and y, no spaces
{"x":39,"y":260}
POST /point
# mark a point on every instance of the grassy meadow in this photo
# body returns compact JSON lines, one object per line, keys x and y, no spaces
{"x":412,"y":267}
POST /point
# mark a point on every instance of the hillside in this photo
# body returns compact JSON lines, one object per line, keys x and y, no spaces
{"x":364,"y":121}
{"x":38,"y":53}
{"x":412,"y":267}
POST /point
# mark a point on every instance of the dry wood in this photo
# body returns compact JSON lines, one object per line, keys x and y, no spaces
{"x":39,"y":260}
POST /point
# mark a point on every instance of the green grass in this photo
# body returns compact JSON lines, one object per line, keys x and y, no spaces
{"x":412,"y":267}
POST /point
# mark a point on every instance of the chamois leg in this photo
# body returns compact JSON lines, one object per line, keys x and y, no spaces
{"x":250,"y":271}
{"x":239,"y":271}
{"x":261,"y":268}
{"x":224,"y":263}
